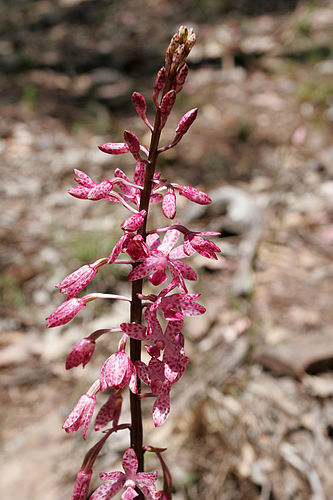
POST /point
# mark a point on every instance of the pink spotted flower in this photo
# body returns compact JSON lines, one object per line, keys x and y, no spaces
{"x":162,"y":257}
{"x":153,"y":375}
{"x":175,"y":307}
{"x":129,"y":480}
{"x":81,"y":415}
{"x":171,"y":342}
{"x":194,"y":242}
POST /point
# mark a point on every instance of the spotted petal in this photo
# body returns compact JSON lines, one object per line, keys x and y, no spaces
{"x":161,"y":409}
{"x":130,"y":462}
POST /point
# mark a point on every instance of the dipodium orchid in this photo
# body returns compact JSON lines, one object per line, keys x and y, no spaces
{"x":158,"y":259}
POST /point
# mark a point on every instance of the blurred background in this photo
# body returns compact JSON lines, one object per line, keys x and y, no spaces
{"x":252,"y":418}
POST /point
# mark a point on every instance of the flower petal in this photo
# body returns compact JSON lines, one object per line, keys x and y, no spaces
{"x":143,"y":269}
{"x":170,"y":239}
{"x":130,"y":462}
{"x":107,"y":490}
{"x":161,"y":409}
{"x":134,"y":330}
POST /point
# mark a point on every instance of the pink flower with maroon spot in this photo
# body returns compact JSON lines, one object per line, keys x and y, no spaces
{"x":171,"y":342}
{"x":118,"y":371}
{"x":132,"y":244}
{"x":160,"y":259}
{"x":85,"y":185}
{"x":206,"y":248}
{"x":81,"y":353}
{"x":129,"y":480}
{"x":153,"y":375}
{"x":178,"y":305}
{"x":81,"y":415}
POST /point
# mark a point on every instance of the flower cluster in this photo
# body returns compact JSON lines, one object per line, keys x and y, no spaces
{"x":155,"y":254}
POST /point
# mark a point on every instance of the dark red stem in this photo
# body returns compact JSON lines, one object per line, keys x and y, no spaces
{"x":136,"y":304}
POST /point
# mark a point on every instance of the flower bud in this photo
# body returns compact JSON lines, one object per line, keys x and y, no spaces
{"x":191,"y":39}
{"x":139,"y":174}
{"x":186,"y":121}
{"x":134,"y":222}
{"x":166,"y":106}
{"x":195,"y":195}
{"x":159,"y":82}
{"x":65,"y":312}
{"x":76,"y":281}
{"x":169,"y":204}
{"x":114,"y":148}
{"x":180,"y":78}
{"x":81,"y":353}
{"x":178,"y":57}
{"x":182,"y":34}
{"x":132,"y":142}
{"x":139,"y":104}
{"x":168,"y":58}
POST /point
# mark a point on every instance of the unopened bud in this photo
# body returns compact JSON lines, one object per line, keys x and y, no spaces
{"x":132,"y":142}
{"x":159,"y":82}
{"x":168,"y":59}
{"x":182,"y":34}
{"x":186,"y":121}
{"x":180,"y":78}
{"x":166,"y":106}
{"x":114,"y":148}
{"x":169,"y":204}
{"x":178,"y":57}
{"x":191,"y":39}
{"x":139,"y":104}
{"x":134,"y":222}
{"x":195,"y":195}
